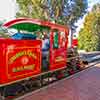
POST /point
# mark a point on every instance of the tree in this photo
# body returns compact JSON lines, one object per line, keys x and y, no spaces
{"x":30,"y":8}
{"x":89,"y":36}
{"x":62,"y":11}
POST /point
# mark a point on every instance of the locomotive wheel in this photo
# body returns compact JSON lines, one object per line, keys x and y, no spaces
{"x":59,"y":75}
{"x":2,"y":97}
{"x":11,"y":91}
{"x":71,"y":71}
{"x":9,"y":98}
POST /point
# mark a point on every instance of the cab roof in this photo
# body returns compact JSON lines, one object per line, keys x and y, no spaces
{"x":31,"y":25}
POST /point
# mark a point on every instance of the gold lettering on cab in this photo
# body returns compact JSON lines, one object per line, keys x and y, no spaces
{"x":22,"y":53}
{"x":23,"y":68}
{"x":59,"y":59}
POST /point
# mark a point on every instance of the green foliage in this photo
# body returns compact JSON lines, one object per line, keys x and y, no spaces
{"x":29,"y":8}
{"x":89,"y":36}
{"x":52,"y":10}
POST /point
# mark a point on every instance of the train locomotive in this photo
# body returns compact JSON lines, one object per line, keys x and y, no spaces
{"x":34,"y":56}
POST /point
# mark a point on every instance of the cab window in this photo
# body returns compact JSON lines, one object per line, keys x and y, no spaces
{"x":55,"y":40}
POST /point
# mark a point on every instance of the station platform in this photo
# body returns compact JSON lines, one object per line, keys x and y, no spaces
{"x":84,"y":85}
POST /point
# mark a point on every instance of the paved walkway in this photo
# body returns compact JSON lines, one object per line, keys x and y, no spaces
{"x":82,"y":86}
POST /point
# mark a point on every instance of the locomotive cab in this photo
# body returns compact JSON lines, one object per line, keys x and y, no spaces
{"x":36,"y":52}
{"x":38,"y":47}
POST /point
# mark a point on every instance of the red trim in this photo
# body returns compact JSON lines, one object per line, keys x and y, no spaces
{"x":34,"y":21}
{"x":19,"y":20}
{"x":12,"y":22}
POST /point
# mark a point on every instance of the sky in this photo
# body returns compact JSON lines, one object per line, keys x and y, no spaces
{"x":92,"y":2}
{"x":8,"y":8}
